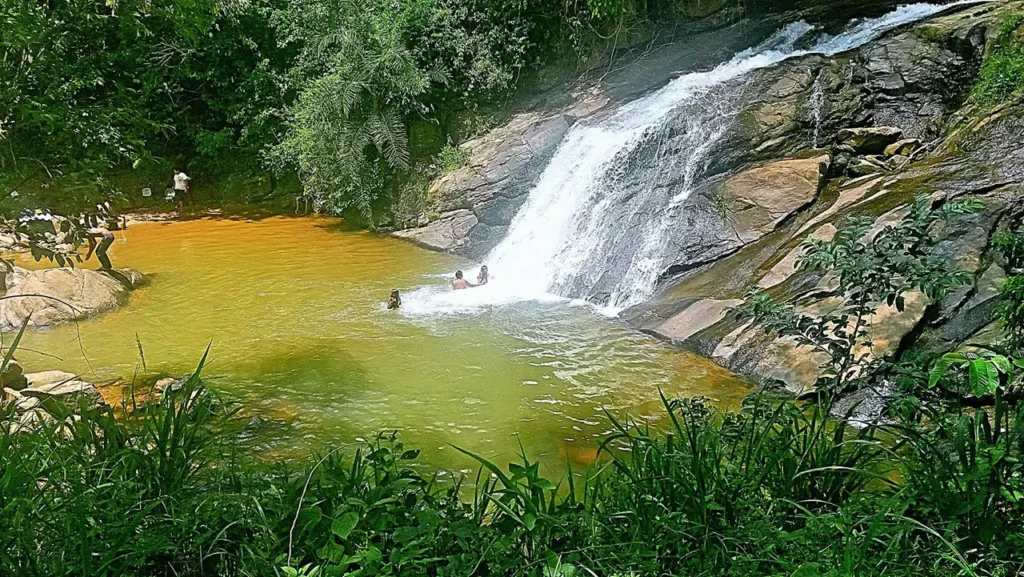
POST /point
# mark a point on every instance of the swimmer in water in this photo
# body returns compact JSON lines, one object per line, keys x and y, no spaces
{"x":460,"y":283}
{"x":483,"y":276}
{"x":395,"y":302}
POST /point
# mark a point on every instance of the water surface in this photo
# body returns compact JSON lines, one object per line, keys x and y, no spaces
{"x":292,"y":308}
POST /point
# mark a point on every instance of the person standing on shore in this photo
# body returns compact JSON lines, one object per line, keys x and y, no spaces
{"x":182,"y":186}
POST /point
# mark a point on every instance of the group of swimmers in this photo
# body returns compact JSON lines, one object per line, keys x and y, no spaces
{"x":459,"y":283}
{"x":481,"y":279}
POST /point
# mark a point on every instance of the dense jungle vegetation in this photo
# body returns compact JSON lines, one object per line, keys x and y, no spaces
{"x":171,"y":484}
{"x":355,"y":99}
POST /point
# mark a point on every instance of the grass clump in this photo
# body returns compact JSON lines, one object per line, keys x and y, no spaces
{"x":1002,"y":74}
{"x":778,"y":489}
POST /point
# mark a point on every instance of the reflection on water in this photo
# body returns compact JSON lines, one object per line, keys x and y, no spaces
{"x":292,"y":307}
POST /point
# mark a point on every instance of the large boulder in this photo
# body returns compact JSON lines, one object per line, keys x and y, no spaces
{"x":57,"y":295}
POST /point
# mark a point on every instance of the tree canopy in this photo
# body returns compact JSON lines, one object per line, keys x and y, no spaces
{"x":325,"y":89}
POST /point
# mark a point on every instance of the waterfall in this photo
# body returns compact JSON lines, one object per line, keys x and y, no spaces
{"x":602,"y":220}
{"x":817,"y":101}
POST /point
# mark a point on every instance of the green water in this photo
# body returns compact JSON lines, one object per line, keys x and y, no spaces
{"x":292,"y":308}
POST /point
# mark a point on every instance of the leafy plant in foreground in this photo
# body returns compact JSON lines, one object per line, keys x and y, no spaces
{"x":872,"y":270}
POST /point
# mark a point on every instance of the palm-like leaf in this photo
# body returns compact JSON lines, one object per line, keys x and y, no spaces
{"x":386,"y":130}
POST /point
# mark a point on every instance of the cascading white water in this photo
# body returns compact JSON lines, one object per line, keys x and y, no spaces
{"x":817,"y":102}
{"x":583,"y":233}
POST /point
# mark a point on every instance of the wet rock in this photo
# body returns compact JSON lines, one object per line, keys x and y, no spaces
{"x":863,"y":167}
{"x":872,"y":140}
{"x":503,"y":165}
{"x":9,"y":396}
{"x":30,"y":420}
{"x":63,"y":387}
{"x":796,"y":367}
{"x":896,"y":162}
{"x":695,"y":318}
{"x":757,"y":200}
{"x":57,"y":295}
{"x":13,"y":377}
{"x":450,"y":233}
{"x":903,"y":147}
{"x":731,"y":212}
{"x":976,"y":312}
{"x":866,"y":407}
{"x":44,"y":378}
{"x":786,"y":267}
{"x":851,"y":194}
{"x":167,"y":384}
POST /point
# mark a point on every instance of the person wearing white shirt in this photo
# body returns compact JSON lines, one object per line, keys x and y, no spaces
{"x":182,"y":185}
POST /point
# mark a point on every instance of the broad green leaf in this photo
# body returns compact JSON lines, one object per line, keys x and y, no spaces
{"x":529,"y":521}
{"x":1003,"y":364}
{"x":342,"y":526}
{"x":984,"y":377}
{"x":942,"y":367}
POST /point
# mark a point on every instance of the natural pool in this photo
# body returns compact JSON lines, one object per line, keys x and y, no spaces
{"x":292,"y":307}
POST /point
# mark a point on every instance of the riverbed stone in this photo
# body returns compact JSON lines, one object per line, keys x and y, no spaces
{"x":69,"y":391}
{"x":57,"y":295}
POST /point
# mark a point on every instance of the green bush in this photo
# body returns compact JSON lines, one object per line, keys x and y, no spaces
{"x":777,"y":489}
{"x":1002,"y":74}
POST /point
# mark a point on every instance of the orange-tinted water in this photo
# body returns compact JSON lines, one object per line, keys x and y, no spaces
{"x":292,"y":307}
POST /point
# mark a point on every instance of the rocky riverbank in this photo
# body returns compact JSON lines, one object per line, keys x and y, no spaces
{"x":58,"y":295}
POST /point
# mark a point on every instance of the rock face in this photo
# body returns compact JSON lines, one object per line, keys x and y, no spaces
{"x":51,"y":296}
{"x":805,"y":145}
{"x":730,"y":212}
{"x":757,"y":200}
{"x":477,"y":202}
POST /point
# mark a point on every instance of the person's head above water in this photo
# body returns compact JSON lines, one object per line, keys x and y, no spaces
{"x":483,"y":269}
{"x":458,"y":274}
{"x":394,"y":293}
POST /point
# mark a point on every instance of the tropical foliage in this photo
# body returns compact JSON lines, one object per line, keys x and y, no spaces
{"x":872,"y":268}
{"x":778,"y":489}
{"x":352,"y":96}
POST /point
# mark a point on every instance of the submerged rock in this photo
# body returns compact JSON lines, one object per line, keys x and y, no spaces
{"x":57,"y":295}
